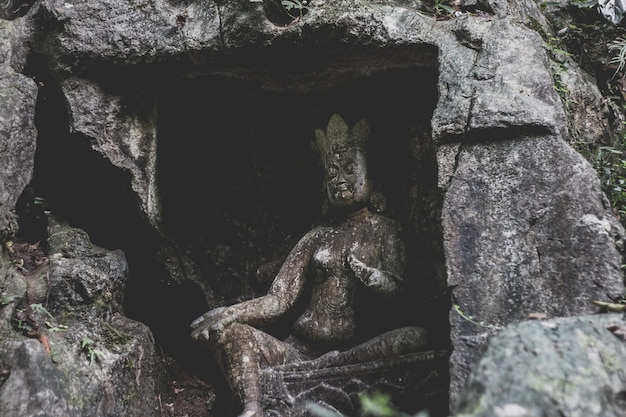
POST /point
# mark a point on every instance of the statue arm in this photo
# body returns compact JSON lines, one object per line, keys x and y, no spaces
{"x":263,"y":310}
{"x":387,"y":277}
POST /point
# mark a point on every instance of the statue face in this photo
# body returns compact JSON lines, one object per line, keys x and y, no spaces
{"x":347,"y":183}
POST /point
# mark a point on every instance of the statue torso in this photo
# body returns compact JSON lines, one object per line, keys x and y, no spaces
{"x":331,"y":318}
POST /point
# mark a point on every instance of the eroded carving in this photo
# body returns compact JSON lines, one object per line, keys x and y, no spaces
{"x":329,"y":271}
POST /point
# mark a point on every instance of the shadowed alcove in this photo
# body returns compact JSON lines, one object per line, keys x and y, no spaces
{"x":240,"y":183}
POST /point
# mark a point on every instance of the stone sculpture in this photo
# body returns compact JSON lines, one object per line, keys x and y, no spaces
{"x":358,"y":250}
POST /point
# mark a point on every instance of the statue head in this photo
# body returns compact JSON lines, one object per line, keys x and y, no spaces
{"x":343,"y":154}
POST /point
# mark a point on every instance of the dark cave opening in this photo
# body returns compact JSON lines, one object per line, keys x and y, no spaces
{"x":239,"y":186}
{"x":79,"y":185}
{"x":240,"y":183}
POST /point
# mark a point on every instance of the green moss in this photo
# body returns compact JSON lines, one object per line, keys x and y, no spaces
{"x":113,"y":338}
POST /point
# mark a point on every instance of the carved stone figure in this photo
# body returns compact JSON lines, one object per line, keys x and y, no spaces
{"x":325,"y":276}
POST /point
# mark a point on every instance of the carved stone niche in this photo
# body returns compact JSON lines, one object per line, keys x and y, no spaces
{"x":240,"y":184}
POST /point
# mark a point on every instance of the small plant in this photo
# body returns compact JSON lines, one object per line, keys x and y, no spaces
{"x":559,"y":58}
{"x":372,"y":405}
{"x":443,"y":8}
{"x":610,"y":164}
{"x":89,"y":349}
{"x":377,"y":404}
{"x":56,"y":328}
{"x":23,"y":325}
{"x":6,"y":299}
{"x":472,"y":320}
{"x":28,"y":320}
{"x":585,"y":4}
{"x":619,"y":46}
{"x":38,"y":308}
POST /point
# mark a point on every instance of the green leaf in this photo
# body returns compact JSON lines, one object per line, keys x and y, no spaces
{"x":446,"y":8}
{"x":40,"y":309}
{"x":319,"y":411}
{"x":7,"y":299}
{"x":377,"y":405}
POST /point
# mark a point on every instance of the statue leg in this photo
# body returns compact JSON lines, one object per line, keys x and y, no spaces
{"x":392,"y":343}
{"x":242,"y":351}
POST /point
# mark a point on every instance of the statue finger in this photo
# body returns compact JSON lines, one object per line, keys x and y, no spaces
{"x":214,"y":312}
{"x":201,"y":333}
{"x":197,"y":322}
{"x":216,"y":327}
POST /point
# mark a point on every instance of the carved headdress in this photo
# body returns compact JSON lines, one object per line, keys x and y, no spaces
{"x":338,"y":137}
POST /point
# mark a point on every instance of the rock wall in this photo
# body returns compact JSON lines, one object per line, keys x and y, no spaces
{"x":66,"y":347}
{"x":567,"y":366}
{"x":505,"y":218}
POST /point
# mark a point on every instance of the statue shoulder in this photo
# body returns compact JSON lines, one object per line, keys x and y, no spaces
{"x":385,"y":223}
{"x":314,"y":235}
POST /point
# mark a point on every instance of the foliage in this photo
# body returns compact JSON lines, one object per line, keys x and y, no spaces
{"x":610,"y":163}
{"x":472,"y":320}
{"x":89,"y":349}
{"x":619,"y":47}
{"x":38,"y":308}
{"x":372,"y":405}
{"x":440,"y":9}
{"x":599,"y":48}
{"x":585,"y":4}
{"x":443,"y":8}
{"x":558,"y":64}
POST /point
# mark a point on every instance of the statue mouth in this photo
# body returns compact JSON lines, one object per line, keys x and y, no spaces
{"x":343,"y":194}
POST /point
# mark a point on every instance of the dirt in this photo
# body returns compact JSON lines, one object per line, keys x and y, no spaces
{"x":186,"y":395}
{"x":26,"y":256}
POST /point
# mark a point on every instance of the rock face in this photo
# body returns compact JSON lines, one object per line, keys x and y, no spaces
{"x":567,"y":367}
{"x":17,"y":131}
{"x":527,"y":274}
{"x":78,"y":355}
{"x":179,"y":132}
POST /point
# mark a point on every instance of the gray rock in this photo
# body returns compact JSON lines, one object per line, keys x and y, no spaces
{"x":18,"y":135}
{"x":66,"y":349}
{"x":504,"y":249}
{"x":565,"y":367}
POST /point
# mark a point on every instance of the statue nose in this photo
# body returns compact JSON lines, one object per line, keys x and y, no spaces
{"x":339,"y":180}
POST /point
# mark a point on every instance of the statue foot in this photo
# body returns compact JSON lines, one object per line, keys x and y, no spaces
{"x":252,"y":409}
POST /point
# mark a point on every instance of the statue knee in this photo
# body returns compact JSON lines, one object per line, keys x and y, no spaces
{"x":235,"y":334}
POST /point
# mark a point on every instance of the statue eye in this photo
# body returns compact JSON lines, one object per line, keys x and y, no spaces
{"x":351,"y":168}
{"x":332,"y":171}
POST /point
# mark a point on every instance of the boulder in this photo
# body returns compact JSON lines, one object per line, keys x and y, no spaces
{"x":66,"y":347}
{"x":561,"y":367}
{"x":18,"y":135}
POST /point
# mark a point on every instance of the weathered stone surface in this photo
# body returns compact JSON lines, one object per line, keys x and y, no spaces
{"x":83,"y":274}
{"x":123,"y":130}
{"x":65,"y":347}
{"x":581,"y":71}
{"x":504,"y":248}
{"x":562,"y":367}
{"x":482,"y":88}
{"x":589,"y":116}
{"x":414,"y":381}
{"x":18,"y":135}
{"x":523,"y":216}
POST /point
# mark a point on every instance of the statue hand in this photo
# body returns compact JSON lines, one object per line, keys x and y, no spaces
{"x":212,"y":322}
{"x":366,"y":274}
